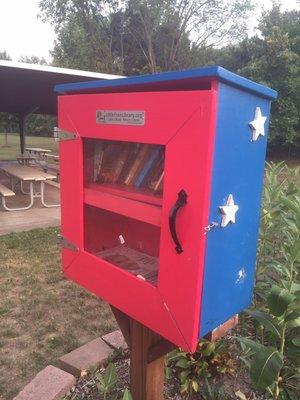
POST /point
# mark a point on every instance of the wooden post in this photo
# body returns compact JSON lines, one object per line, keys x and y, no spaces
{"x":147,"y":358}
{"x":22,"y":132}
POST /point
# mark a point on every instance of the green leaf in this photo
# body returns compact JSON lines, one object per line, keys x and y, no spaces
{"x":296,"y":342}
{"x":278,"y":300}
{"x":184,"y":387}
{"x":209,"y":349}
{"x":182,"y":363}
{"x":250,"y":343}
{"x":292,"y":352}
{"x":295,"y":251}
{"x":127,"y":395}
{"x":109,"y":379}
{"x":295,"y":287}
{"x":266,"y":320}
{"x":293,"y":320}
{"x":290,"y":204}
{"x":168,"y":372}
{"x":265,"y":366}
{"x":183,"y":376}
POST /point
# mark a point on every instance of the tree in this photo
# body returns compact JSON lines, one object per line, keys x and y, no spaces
{"x":85,"y":33}
{"x":161,"y":29}
{"x":278,"y":66}
{"x":272,"y":58}
{"x":4,"y":55}
{"x":133,"y":36}
{"x":33,"y":60}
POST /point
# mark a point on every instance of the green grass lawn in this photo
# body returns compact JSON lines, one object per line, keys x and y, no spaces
{"x":12,"y":149}
{"x":42,"y":315}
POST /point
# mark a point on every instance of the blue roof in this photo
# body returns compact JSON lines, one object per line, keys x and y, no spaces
{"x":173,"y":79}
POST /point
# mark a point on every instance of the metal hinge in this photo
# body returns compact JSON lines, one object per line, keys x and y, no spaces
{"x":66,"y":244}
{"x":60,"y":134}
{"x":209,"y":227}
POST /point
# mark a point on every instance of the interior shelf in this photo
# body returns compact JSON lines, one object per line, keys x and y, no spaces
{"x":128,"y":192}
{"x":112,"y":199}
{"x":133,"y":261}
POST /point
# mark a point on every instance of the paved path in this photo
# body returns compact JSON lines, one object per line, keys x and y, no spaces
{"x":17,"y":221}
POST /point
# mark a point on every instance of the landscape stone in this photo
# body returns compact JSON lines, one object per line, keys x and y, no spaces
{"x":92,"y":354}
{"x":49,"y":384}
{"x":115,"y":339}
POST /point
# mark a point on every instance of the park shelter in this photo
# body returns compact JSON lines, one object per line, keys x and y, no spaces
{"x":28,"y":88}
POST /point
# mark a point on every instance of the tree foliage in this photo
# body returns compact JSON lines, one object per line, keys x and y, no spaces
{"x":33,"y":60}
{"x":278,"y":65}
{"x":4,"y":55}
{"x":133,"y":36}
{"x":273,"y":59}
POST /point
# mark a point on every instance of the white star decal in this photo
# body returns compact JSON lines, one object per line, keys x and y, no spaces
{"x":228,"y":212}
{"x":258,"y":124}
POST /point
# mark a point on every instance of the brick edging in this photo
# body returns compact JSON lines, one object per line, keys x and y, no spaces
{"x":51,"y":383}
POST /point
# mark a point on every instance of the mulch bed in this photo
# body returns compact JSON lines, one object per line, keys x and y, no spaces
{"x":86,"y":388}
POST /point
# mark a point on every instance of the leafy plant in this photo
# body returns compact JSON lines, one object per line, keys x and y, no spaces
{"x":274,"y":357}
{"x":107,"y":384}
{"x":210,"y":359}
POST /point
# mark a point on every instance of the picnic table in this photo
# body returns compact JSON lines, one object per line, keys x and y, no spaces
{"x":37,"y":151}
{"x":21,"y":174}
{"x":25,"y":159}
{"x":54,"y":157}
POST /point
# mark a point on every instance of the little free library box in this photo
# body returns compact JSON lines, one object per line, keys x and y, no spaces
{"x":161,"y":185}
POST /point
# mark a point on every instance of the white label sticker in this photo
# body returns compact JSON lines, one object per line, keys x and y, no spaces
{"x":120,"y":117}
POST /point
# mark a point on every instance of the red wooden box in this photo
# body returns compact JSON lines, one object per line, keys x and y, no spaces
{"x":136,"y":186}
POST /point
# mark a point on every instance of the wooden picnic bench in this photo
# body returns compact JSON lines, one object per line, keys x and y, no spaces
{"x":31,"y":175}
{"x":25,"y":159}
{"x":37,"y":150}
{"x":54,"y":157}
{"x":5,"y":192}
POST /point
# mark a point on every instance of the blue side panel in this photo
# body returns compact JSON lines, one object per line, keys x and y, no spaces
{"x":238,"y":169}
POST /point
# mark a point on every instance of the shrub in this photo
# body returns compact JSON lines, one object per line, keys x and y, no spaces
{"x":274,"y":357}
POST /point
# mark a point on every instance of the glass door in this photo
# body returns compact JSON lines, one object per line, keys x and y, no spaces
{"x":123,"y":189}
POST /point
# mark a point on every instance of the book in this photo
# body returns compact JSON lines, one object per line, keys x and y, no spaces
{"x":156,"y":172}
{"x":133,"y":152}
{"x":110,"y":157}
{"x":98,"y":160}
{"x":137,"y":164}
{"x":159,"y":184}
{"x":147,"y":166}
{"x":120,"y":162}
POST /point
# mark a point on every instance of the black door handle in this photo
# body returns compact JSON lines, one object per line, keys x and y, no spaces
{"x":181,"y":201}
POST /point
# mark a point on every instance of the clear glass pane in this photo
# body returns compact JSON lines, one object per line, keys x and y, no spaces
{"x":136,"y":167}
{"x":118,"y":175}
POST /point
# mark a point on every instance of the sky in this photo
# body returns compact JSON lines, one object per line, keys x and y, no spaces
{"x":23,"y":33}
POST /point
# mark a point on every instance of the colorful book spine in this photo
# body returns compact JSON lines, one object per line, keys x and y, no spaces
{"x":133,"y":152}
{"x":148,"y":166}
{"x":121,"y":162}
{"x":155,"y":173}
{"x":159,"y":183}
{"x":98,"y":160}
{"x":140,"y":159}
